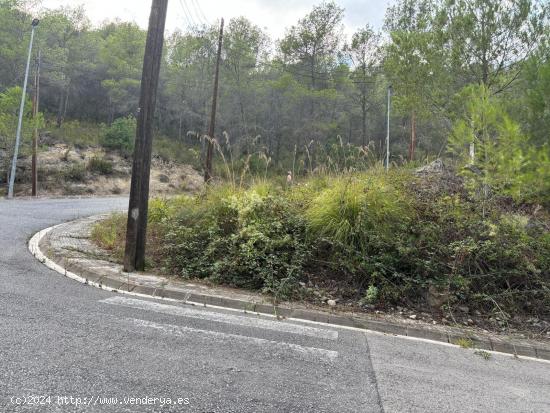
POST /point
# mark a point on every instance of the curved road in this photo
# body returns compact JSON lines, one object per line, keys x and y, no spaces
{"x":67,"y":347}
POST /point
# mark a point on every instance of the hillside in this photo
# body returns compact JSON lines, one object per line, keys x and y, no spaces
{"x":68,"y":169}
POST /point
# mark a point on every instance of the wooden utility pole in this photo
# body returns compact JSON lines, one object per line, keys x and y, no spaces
{"x":212,"y":126}
{"x":35,"y":103}
{"x":136,"y":229}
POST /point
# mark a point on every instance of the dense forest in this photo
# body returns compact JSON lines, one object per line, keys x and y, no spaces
{"x":291,"y":99}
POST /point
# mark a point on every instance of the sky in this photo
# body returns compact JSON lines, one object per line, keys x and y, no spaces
{"x":272,"y":15}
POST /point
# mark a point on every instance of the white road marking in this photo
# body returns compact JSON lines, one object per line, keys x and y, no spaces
{"x":247,"y":321}
{"x":309,"y":353}
{"x":34,"y":249}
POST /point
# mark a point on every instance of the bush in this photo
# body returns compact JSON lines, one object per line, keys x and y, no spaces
{"x":245,"y":240}
{"x":378,"y":239}
{"x":351,"y":208}
{"x":100,"y":165}
{"x":78,"y":133}
{"x":121,"y":135}
{"x":76,"y":173}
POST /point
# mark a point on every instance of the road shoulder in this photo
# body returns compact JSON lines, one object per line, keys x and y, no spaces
{"x":67,"y":249}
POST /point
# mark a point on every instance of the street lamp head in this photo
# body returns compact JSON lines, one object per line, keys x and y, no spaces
{"x":35,"y":22}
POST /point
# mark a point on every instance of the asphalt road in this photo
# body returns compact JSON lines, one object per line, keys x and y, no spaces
{"x":64,"y":345}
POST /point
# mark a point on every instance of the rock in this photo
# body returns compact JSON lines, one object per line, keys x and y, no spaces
{"x":436,"y":167}
{"x":437,"y":296}
{"x":164,"y":178}
{"x":412,"y":316}
{"x":331,"y":303}
{"x":470,"y":321}
{"x":463,"y":309}
{"x":434,"y":322}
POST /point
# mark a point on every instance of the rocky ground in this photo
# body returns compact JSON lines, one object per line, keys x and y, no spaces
{"x":516,"y":325}
{"x":65,"y":170}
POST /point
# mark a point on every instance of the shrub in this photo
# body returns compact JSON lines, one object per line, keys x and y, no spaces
{"x":76,"y":173}
{"x":78,"y":133}
{"x":100,"y":165}
{"x":372,"y":236}
{"x":352,"y":208}
{"x":121,"y":135}
{"x":245,"y":240}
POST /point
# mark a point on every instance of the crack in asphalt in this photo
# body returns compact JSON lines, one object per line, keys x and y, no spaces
{"x":371,"y":374}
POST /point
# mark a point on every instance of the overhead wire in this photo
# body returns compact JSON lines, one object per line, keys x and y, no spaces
{"x":187,"y":12}
{"x":186,"y":15}
{"x":200,"y":14}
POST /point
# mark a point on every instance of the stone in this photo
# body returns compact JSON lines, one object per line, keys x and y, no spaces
{"x":463,"y":309}
{"x":331,"y":303}
{"x":435,"y":167}
{"x":412,"y":316}
{"x":437,"y":296}
{"x":164,"y":178}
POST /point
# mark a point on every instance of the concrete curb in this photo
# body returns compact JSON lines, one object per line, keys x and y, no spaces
{"x":77,"y":272}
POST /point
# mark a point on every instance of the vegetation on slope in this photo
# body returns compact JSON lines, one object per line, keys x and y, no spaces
{"x":368,"y":238}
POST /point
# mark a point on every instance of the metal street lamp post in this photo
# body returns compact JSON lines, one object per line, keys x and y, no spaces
{"x":21,"y":109}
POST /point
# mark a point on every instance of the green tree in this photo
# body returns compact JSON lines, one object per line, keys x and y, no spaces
{"x":10,"y":101}
{"x":502,"y":159}
{"x":245,"y":49}
{"x":364,"y":53}
{"x":14,"y":37}
{"x":122,"y":55}
{"x":59,"y":40}
{"x":415,"y":62}
{"x":535,"y":90}
{"x":491,"y":39}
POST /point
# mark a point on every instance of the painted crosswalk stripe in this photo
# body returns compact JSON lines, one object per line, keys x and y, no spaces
{"x":308,"y":353}
{"x":246,"y":321}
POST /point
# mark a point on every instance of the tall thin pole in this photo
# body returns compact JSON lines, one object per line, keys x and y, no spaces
{"x":35,"y":103}
{"x":20,"y":121}
{"x":388,"y":132}
{"x":136,"y":229}
{"x":212,"y":126}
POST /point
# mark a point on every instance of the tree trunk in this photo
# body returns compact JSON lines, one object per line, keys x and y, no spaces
{"x":212,"y":126}
{"x":59,"y":119}
{"x":364,"y":120}
{"x":412,"y":145}
{"x":63,"y":104}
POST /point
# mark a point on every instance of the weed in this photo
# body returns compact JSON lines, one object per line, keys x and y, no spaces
{"x":464,"y":342}
{"x":109,"y":234}
{"x":483,"y":354}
